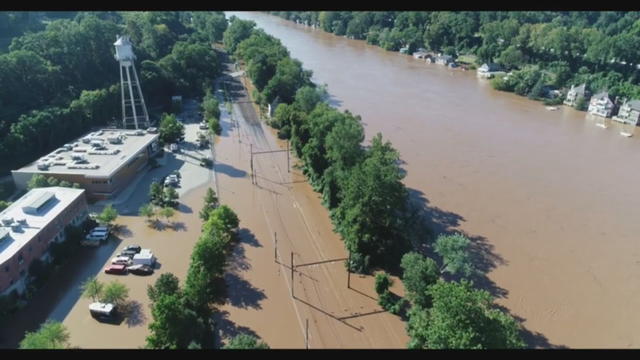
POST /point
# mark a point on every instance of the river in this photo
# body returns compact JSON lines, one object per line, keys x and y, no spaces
{"x":547,"y":196}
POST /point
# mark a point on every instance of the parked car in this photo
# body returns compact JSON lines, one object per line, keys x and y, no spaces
{"x":123,"y":260}
{"x":117,"y":269}
{"x":203,"y":126}
{"x":141,"y":269}
{"x":100,"y":229}
{"x":171,"y":180}
{"x":177,"y":174}
{"x":127,"y":253}
{"x":174,"y":148}
{"x":135,"y":248}
{"x":102,"y":311}
{"x":97,"y":236}
{"x":87,"y":242}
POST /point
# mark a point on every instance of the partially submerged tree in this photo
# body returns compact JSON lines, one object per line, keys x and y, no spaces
{"x":456,"y":258}
{"x":210,"y":203}
{"x":245,"y":342}
{"x":108,"y":215}
{"x":51,"y":335}
{"x":115,"y":292}
{"x":167,"y":284}
{"x":92,"y":288}
{"x":418,"y":273}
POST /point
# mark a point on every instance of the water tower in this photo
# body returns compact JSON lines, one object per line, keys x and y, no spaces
{"x":134,"y":110}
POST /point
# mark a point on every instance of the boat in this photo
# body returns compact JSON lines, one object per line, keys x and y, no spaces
{"x":624,"y":133}
{"x":551,"y":108}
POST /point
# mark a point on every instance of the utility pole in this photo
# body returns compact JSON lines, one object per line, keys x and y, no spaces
{"x":275,"y":250}
{"x":251,"y":150}
{"x":306,"y":336}
{"x":349,"y":272}
{"x":288,"y":166}
{"x":292,"y":295}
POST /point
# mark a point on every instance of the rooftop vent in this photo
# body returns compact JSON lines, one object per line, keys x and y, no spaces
{"x":16,"y":227}
{"x":7,"y":221}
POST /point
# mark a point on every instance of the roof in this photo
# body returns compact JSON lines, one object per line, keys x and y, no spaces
{"x":82,"y":157}
{"x":35,"y":222}
{"x":38,"y":202}
{"x":101,"y":307}
{"x":634,"y":104}
{"x":601,"y":95}
{"x":490,"y":67}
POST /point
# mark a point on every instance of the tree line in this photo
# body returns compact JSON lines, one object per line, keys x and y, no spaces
{"x":552,"y":48}
{"x":368,"y":203}
{"x":63,"y":80}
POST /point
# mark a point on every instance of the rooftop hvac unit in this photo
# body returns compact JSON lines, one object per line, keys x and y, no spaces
{"x":68,"y":146}
{"x":99,"y":132}
{"x":86,"y":139}
{"x":16,"y":227}
{"x":22,"y":221}
{"x":7,"y":221}
{"x":80,"y":149}
{"x":140,"y":132}
{"x":115,"y":140}
{"x":77,"y":157}
{"x":43,"y":166}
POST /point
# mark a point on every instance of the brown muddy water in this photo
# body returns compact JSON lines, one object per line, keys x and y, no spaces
{"x":549,"y":198}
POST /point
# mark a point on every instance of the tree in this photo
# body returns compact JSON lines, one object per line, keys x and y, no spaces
{"x":226,"y":217}
{"x":156,"y":194}
{"x":214,"y":126}
{"x":237,"y":31}
{"x":581,"y":104}
{"x":51,"y":335}
{"x":148,"y":211}
{"x":418,"y":273}
{"x":4,"y":204}
{"x":170,"y":197}
{"x":166,"y":284}
{"x":171,"y":130}
{"x":37,"y":181}
{"x":210,"y":204}
{"x":454,"y":250}
{"x":383,"y":281}
{"x":174,"y":325}
{"x":115,"y":292}
{"x":245,"y":342}
{"x":92,"y":288}
{"x":462,"y":318}
{"x":167,"y":212}
{"x":108,"y":215}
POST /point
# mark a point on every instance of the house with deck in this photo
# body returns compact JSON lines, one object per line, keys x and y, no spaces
{"x":575,"y":93}
{"x":629,"y":112}
{"x":489,"y":70}
{"x":444,"y":59}
{"x":601,"y":104}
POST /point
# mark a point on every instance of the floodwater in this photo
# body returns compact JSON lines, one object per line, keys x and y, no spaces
{"x":548,"y":197}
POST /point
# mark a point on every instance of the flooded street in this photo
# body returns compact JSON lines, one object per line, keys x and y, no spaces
{"x":548,"y":196}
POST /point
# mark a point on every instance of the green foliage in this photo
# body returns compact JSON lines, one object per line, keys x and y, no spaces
{"x":581,"y":104}
{"x":237,"y":31}
{"x":167,"y":212}
{"x":171,"y":130}
{"x":211,"y":202}
{"x":4,"y":204}
{"x":214,"y":126}
{"x":383,"y":281}
{"x":92,"y":288}
{"x":166,"y":284}
{"x":148,"y":211}
{"x":6,"y":189}
{"x":174,"y":325}
{"x":462,"y":318}
{"x":170,"y":197}
{"x":37,"y":181}
{"x":108,"y":215}
{"x":455,"y":253}
{"x":245,"y":342}
{"x":115,"y":292}
{"x":156,"y":194}
{"x":418,"y":273}
{"x":51,"y":335}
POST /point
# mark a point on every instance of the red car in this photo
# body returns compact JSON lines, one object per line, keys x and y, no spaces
{"x":116,"y":269}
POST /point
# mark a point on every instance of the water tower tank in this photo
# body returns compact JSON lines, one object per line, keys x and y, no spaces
{"x":124,"y":50}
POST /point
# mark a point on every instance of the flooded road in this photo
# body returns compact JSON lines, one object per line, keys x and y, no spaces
{"x":549,"y":197}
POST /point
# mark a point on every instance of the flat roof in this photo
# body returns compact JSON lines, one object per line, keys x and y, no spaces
{"x":32,"y":223}
{"x":93,"y":155}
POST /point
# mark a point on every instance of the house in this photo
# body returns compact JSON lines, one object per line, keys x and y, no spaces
{"x":420,"y":54}
{"x":601,"y":105}
{"x":629,"y":112}
{"x":487,"y":71}
{"x":444,"y":59}
{"x":575,"y":93}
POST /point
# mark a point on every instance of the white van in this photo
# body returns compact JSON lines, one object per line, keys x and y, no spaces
{"x":102,"y":311}
{"x":145,"y":257}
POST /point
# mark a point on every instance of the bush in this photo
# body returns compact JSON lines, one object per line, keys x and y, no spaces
{"x":359,"y":263}
{"x":382,"y":283}
{"x":555,"y":101}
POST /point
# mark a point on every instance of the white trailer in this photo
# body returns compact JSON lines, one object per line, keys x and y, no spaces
{"x":145,"y":257}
